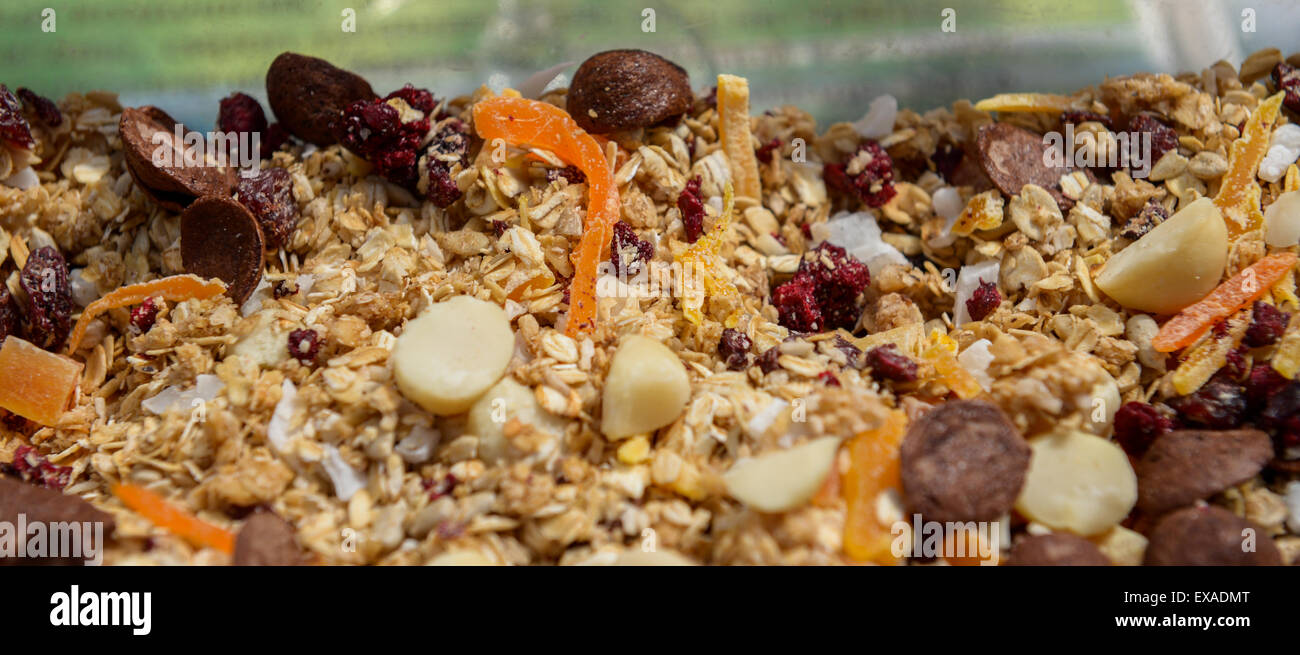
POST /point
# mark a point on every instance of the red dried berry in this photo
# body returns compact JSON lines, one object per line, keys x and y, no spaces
{"x":767,"y":361}
{"x":442,"y":160}
{"x":868,"y":175}
{"x":1219,"y":404}
{"x":1287,"y":79}
{"x":9,"y":323}
{"x":947,"y":157}
{"x":627,"y":252}
{"x":14,"y":129}
{"x":889,"y":363}
{"x":1163,"y":137}
{"x":983,"y":301}
{"x":1151,"y":215}
{"x":303,"y":346}
{"x":796,"y":304}
{"x":692,"y":208}
{"x":1281,"y":415}
{"x":49,"y":297}
{"x":46,"y":111}
{"x":571,"y":173}
{"x":766,"y":151}
{"x":499,"y":228}
{"x":418,"y":99}
{"x":438,"y":488}
{"x":275,"y":136}
{"x":1235,"y":365}
{"x":144,"y":315}
{"x":1261,"y":384}
{"x":240,"y":113}
{"x":269,"y":196}
{"x":1138,"y":424}
{"x":828,"y":379}
{"x":33,"y":467}
{"x":838,"y":280}
{"x":1267,"y":323}
{"x":374,"y":130}
{"x":733,"y":348}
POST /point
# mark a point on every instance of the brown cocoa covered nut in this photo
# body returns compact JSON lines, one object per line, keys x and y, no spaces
{"x":963,"y":461}
{"x":1209,"y":536}
{"x":627,"y":89}
{"x":308,"y":94}
{"x":1013,"y":157}
{"x":1056,"y":549}
{"x":38,"y":504}
{"x":266,"y":540}
{"x":1184,"y":466}
{"x":171,"y":173}
{"x":221,"y":239}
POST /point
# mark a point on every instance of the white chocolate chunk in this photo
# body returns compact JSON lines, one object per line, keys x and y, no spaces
{"x":452,"y":353}
{"x":503,"y":402}
{"x":646,"y":388}
{"x":1174,"y":265}
{"x":782,"y":480}
{"x":1077,"y":482}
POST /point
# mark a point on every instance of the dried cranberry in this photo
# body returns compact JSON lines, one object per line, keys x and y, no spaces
{"x":269,"y":196}
{"x":14,"y":129}
{"x":765,"y":151}
{"x":1138,"y":424}
{"x":571,"y":173}
{"x":499,"y":228}
{"x":8,"y":314}
{"x":983,"y":301}
{"x":1151,"y":215}
{"x":32,"y":467}
{"x":733,"y":348}
{"x":797,"y":306}
{"x":1281,"y":415}
{"x":49,"y":297}
{"x":443,"y":159}
{"x":240,"y":113}
{"x":1287,"y":79}
{"x":276,"y":135}
{"x":828,"y":379}
{"x":868,"y":175}
{"x":1163,"y":137}
{"x":627,"y":252}
{"x":1219,"y":404}
{"x":1267,"y":324}
{"x":442,"y":189}
{"x":439,"y":488}
{"x":889,"y":363}
{"x":1235,"y":365}
{"x":303,"y":346}
{"x":144,"y":315}
{"x":692,"y":208}
{"x":46,"y":111}
{"x":374,"y":130}
{"x":1261,"y":384}
{"x":1076,"y":117}
{"x":767,"y":361}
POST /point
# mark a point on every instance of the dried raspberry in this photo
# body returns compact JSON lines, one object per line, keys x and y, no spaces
{"x":49,"y":297}
{"x":1261,"y":384}
{"x":1219,"y":404}
{"x":443,"y":159}
{"x":571,"y":173}
{"x":269,"y":196}
{"x":374,"y":130}
{"x":627,"y":252}
{"x":767,"y":361}
{"x":733,"y":348}
{"x":889,"y":363}
{"x":144,"y":315}
{"x":1235,"y":365}
{"x":828,"y":379}
{"x":1138,"y":424}
{"x":1151,"y":215}
{"x":868,"y":174}
{"x":46,"y":111}
{"x":797,"y":306}
{"x":765,"y":151}
{"x":303,"y":346}
{"x":14,"y":129}
{"x":1286,"y":78}
{"x":240,"y":113}
{"x":275,"y":136}
{"x":32,"y":467}
{"x":1267,"y":324}
{"x":8,"y":314}
{"x":838,"y":280}
{"x":983,"y":301}
{"x":692,"y":208}
{"x":442,"y":190}
{"x":1163,"y":137}
{"x":1076,"y":117}
{"x":418,"y":99}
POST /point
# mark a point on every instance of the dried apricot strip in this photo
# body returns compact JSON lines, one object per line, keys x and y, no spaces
{"x":34,"y":383}
{"x":174,"y":288}
{"x":1239,"y":192}
{"x":1236,"y":293}
{"x":522,"y":122}
{"x":873,"y":469}
{"x":733,"y":131}
{"x":1027,"y":102}
{"x":196,"y":531}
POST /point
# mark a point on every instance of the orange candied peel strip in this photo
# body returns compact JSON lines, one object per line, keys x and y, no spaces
{"x":36,"y":384}
{"x":942,"y":355}
{"x":174,"y":289}
{"x":1027,"y":102}
{"x":873,"y":468}
{"x":704,"y":257}
{"x":1239,"y":191}
{"x":734,"y":133}
{"x":196,"y":531}
{"x":522,"y":122}
{"x":1235,"y":294}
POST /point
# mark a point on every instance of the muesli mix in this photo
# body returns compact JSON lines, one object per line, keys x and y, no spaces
{"x":633,"y":322}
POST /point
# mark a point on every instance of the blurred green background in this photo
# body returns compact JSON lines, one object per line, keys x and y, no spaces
{"x":829,"y":56}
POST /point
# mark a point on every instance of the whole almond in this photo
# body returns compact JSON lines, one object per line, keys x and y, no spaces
{"x":308,"y":94}
{"x":144,"y":130}
{"x":626,"y":89}
{"x":221,"y":239}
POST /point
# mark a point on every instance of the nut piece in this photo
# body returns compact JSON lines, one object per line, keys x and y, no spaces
{"x":221,"y":239}
{"x":1175,"y":264}
{"x":449,"y":356}
{"x":148,"y":131}
{"x":1185,"y":466}
{"x":266,"y":540}
{"x":308,"y":94}
{"x":506,"y":401}
{"x":1077,"y":482}
{"x":1210,"y":536}
{"x":782,"y":480}
{"x":645,"y":390}
{"x":962,"y":461}
{"x":1282,"y":220}
{"x":265,"y":344}
{"x":626,"y":89}
{"x":1056,"y":549}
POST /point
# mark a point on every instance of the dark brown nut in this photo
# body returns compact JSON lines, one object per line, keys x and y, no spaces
{"x":308,"y":94}
{"x":269,"y":195}
{"x":175,"y":184}
{"x":1209,"y":536}
{"x":221,"y":239}
{"x":1184,"y":466}
{"x":46,"y":506}
{"x":1056,"y":549}
{"x":266,"y":540}
{"x":626,"y":89}
{"x":1013,"y":157}
{"x":963,"y":461}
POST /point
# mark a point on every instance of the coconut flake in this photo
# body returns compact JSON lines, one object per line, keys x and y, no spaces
{"x":1283,"y":150}
{"x":976,"y":359}
{"x":859,"y":235}
{"x":417,"y":447}
{"x":347,"y":481}
{"x":84,"y":291}
{"x":305,"y":282}
{"x":764,"y":419}
{"x":536,"y":84}
{"x":947,"y":204}
{"x":968,"y":280}
{"x":206,"y":388}
{"x":277,"y":429}
{"x":22,"y":180}
{"x":254,"y":303}
{"x":879,"y":120}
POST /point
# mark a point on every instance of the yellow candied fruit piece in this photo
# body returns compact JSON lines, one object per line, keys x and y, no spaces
{"x":703,"y":257}
{"x":733,"y":130}
{"x":1209,"y":356}
{"x":1239,"y":191}
{"x":942,"y":355}
{"x":1292,"y":181}
{"x":983,"y":212}
{"x":1027,"y":102}
{"x":634,"y":451}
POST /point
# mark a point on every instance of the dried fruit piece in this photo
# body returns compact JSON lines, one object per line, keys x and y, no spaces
{"x":704,"y":258}
{"x":1208,"y":536}
{"x":172,"y":173}
{"x":36,"y":384}
{"x":867,"y":175}
{"x":1233,"y":295}
{"x":1219,"y":404}
{"x":268,"y":194}
{"x":646,"y":388}
{"x":627,"y":89}
{"x":389,"y":132}
{"x":629,"y":253}
{"x":197,"y":532}
{"x":9,"y":319}
{"x":452,"y":353}
{"x":889,"y":363}
{"x":1137,"y":425}
{"x":46,"y":111}
{"x":1286,"y":79}
{"x":1239,"y":192}
{"x":1163,"y":137}
{"x":1056,"y":549}
{"x":265,"y":539}
{"x":443,"y":159}
{"x":1267,"y":324}
{"x":1151,"y":215}
{"x":144,"y":315}
{"x":1077,"y":482}
{"x":240,"y":114}
{"x":983,"y":301}
{"x":825,"y":292}
{"x":308,"y":95}
{"x":781,"y":480}
{"x":733,"y":348}
{"x":692,"y":208}
{"x":1185,"y":466}
{"x":49,"y":297}
{"x":873,"y":470}
{"x":941,"y":355}
{"x":304,"y":345}
{"x":14,"y":130}
{"x":221,"y":239}
{"x":175,"y":288}
{"x":734,"y":133}
{"x":1026,"y":102}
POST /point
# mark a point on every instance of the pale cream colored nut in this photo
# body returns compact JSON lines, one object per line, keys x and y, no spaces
{"x":267,"y":344}
{"x":1176,"y":264}
{"x":1282,"y":221}
{"x":1207,"y":165}
{"x":1169,"y":166}
{"x":657,"y":557}
{"x":1077,"y":482}
{"x":461,"y":558}
{"x":1140,"y":330}
{"x":1123,"y":546}
{"x":503,"y":402}
{"x":646,"y":388}
{"x":452,"y":353}
{"x":782,"y":480}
